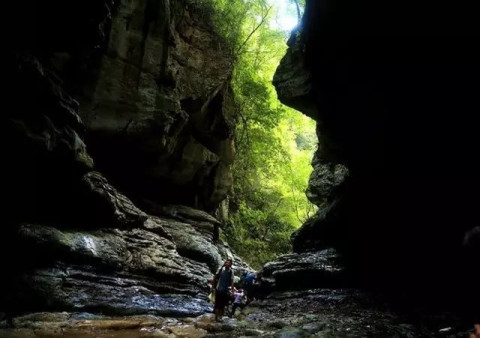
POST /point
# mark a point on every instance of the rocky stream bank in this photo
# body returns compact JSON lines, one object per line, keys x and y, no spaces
{"x":308,"y":313}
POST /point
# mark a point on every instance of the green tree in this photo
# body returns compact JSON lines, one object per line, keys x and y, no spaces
{"x":275,"y":144}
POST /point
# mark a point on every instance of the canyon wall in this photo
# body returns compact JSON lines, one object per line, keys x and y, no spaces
{"x":119,"y":140}
{"x":393,"y":88}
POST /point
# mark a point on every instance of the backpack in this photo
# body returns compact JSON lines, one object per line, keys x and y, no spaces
{"x":248,"y":280}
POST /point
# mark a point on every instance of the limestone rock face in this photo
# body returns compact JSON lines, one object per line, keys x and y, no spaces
{"x":293,"y":80}
{"x":324,"y":181}
{"x":159,"y":109}
{"x":395,"y":176}
{"x":305,"y":270}
{"x":110,"y":270}
{"x":104,"y":204}
{"x":43,"y":138}
{"x":142,"y":88}
{"x":126,"y":263}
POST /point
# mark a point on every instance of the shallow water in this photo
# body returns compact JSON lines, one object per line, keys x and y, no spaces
{"x":25,"y":333}
{"x":320,"y":313}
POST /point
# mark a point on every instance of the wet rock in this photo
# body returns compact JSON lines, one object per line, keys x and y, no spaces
{"x":193,"y":244}
{"x":303,"y":270}
{"x":445,"y":330}
{"x":310,"y":236}
{"x":107,"y":207}
{"x":74,"y":321}
{"x":36,"y":320}
{"x":28,"y":333}
{"x":278,"y":324}
{"x":113,"y":294}
{"x":193,"y":232}
{"x":187,"y":331}
{"x":209,"y":324}
{"x":209,"y":327}
{"x":311,"y":317}
{"x":148,"y":332}
{"x":132,"y":263}
{"x":313,"y":327}
{"x":186,"y":214}
{"x":303,"y":317}
{"x":228,"y":326}
{"x":253,"y":332}
{"x":85,"y":316}
{"x":141,"y":265}
{"x":69,"y":325}
{"x":325,"y":180}
{"x":291,"y":333}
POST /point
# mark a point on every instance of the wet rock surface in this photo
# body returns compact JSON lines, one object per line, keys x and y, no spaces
{"x":115,"y":259}
{"x":303,"y":270}
{"x":310,"y":313}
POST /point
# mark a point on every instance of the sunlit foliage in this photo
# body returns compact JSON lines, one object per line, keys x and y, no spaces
{"x":275,"y":143}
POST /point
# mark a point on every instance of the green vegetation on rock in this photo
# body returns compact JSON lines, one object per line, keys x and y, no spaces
{"x":274,"y":143}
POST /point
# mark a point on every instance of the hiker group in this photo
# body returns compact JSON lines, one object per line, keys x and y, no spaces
{"x":227,"y":290}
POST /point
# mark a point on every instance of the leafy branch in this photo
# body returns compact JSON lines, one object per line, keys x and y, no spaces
{"x":264,"y":17}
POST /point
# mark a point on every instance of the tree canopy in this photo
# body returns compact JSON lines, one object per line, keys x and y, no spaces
{"x":274,"y":143}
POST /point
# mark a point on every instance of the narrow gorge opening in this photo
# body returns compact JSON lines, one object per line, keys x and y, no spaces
{"x":216,"y":138}
{"x":274,"y":143}
{"x":147,"y":142}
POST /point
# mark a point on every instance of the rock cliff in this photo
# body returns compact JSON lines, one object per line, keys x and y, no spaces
{"x":121,"y":120}
{"x":392,"y":88}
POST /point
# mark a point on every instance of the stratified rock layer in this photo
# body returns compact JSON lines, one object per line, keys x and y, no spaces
{"x":297,"y":271}
{"x":159,"y":108}
{"x":118,"y":112}
{"x":126,"y":263}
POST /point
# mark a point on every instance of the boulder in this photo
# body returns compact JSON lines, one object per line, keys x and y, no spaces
{"x":304,"y":270}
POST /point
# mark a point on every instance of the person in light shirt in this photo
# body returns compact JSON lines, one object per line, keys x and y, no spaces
{"x":238,"y":301}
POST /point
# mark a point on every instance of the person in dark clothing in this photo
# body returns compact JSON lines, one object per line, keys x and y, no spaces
{"x":223,"y":281}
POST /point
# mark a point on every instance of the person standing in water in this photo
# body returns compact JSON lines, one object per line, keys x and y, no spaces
{"x":222,"y":282}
